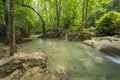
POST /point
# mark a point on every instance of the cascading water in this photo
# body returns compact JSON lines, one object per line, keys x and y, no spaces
{"x":80,"y":61}
{"x":115,"y":59}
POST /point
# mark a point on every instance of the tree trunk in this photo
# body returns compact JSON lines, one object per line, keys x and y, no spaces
{"x":5,"y":4}
{"x":83,"y":19}
{"x":84,"y":16}
{"x":58,"y":12}
{"x":95,"y":14}
{"x":11,"y":27}
{"x":85,"y":12}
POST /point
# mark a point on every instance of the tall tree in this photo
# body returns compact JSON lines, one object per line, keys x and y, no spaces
{"x":5,"y":5}
{"x":95,"y":12}
{"x":11,"y":27}
{"x":83,"y":12}
{"x":58,"y":12}
{"x":84,"y":16}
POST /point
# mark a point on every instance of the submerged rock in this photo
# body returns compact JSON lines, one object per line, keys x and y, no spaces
{"x":23,"y":66}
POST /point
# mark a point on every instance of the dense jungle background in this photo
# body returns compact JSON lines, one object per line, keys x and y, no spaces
{"x":59,"y":39}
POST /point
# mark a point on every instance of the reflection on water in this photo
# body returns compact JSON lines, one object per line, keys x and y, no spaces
{"x":79,"y":60}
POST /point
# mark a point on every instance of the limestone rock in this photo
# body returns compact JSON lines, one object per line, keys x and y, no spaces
{"x":21,"y":63}
{"x":111,"y":48}
{"x":23,"y":66}
{"x":4,"y":53}
{"x":110,"y":45}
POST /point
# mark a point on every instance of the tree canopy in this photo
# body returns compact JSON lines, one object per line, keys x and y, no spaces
{"x":40,"y":16}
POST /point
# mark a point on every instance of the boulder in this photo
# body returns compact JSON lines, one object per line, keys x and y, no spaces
{"x":21,"y":63}
{"x":24,"y":66}
{"x":111,"y":48}
{"x":110,"y":45}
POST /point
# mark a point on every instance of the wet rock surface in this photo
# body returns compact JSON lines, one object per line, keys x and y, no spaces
{"x":112,"y":48}
{"x":110,"y":45}
{"x":23,"y":66}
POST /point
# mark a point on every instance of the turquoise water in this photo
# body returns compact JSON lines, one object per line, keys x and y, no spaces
{"x":81,"y":62}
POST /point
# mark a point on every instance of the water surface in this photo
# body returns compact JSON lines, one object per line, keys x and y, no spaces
{"x":80,"y":61}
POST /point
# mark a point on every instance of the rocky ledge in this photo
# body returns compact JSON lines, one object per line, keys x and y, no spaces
{"x":24,"y":66}
{"x":110,"y":45}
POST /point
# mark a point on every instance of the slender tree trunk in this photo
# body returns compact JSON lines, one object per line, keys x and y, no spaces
{"x":84,"y":16}
{"x":5,"y":4}
{"x":83,"y":19}
{"x":95,"y":14}
{"x":83,"y":12}
{"x":11,"y":27}
{"x":86,"y":12}
{"x":60,"y":8}
{"x":50,"y":19}
{"x":57,"y":14}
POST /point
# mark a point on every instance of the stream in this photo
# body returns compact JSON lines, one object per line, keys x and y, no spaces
{"x":81,"y":62}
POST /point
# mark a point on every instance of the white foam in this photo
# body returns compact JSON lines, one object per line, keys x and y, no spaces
{"x":115,"y":59}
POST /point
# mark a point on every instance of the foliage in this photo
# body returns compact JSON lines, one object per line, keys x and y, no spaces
{"x":113,"y":5}
{"x":107,"y":23}
{"x":88,"y":33}
{"x":117,"y":26}
{"x":25,"y":19}
{"x":70,"y":14}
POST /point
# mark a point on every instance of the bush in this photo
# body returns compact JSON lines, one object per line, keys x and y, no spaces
{"x":108,"y":23}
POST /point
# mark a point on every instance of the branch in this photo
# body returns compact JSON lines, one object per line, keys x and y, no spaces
{"x":27,"y":6}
